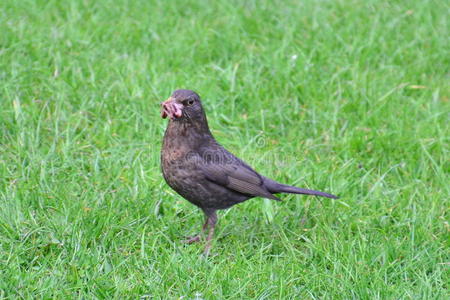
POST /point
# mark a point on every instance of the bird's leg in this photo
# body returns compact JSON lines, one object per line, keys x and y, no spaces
{"x":196,"y":238}
{"x":212,"y":220}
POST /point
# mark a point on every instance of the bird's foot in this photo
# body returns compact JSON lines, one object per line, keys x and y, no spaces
{"x":207,"y":250}
{"x":192,"y":239}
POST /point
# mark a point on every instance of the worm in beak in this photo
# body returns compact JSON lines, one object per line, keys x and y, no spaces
{"x":171,"y":108}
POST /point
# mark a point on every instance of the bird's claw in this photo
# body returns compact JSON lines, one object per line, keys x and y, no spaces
{"x":193,"y":239}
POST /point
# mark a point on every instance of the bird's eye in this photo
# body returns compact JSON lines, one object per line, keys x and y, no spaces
{"x":189,"y":102}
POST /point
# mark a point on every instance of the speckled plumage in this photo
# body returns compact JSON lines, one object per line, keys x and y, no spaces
{"x":201,"y":170}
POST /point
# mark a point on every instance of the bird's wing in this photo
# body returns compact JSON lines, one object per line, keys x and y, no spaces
{"x":236,"y":177}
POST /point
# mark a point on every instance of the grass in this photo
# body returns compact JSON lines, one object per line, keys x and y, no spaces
{"x":349,"y":97}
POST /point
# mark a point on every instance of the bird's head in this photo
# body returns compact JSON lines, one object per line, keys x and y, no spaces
{"x":183,"y":105}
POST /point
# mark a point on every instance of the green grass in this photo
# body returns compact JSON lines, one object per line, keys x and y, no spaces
{"x":349,"y":97}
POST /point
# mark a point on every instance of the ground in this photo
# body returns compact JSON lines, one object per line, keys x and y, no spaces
{"x":349,"y":97}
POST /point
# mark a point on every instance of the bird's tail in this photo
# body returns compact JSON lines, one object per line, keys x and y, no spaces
{"x":275,"y":187}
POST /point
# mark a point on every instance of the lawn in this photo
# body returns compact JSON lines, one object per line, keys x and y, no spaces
{"x":349,"y":97}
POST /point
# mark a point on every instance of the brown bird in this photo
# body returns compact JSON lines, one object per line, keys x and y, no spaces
{"x":202,"y":171}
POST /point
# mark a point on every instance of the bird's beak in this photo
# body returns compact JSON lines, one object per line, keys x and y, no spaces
{"x":171,"y":108}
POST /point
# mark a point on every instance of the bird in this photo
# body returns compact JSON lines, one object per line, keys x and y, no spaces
{"x":203,"y":172}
